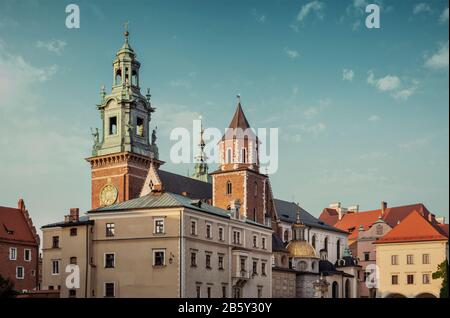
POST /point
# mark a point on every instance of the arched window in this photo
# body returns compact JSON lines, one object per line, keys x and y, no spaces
{"x":134,"y":78}
{"x":286,"y":235}
{"x":229,"y":155}
{"x":338,"y":249}
{"x":256,"y":188}
{"x":347,"y":289}
{"x":244,"y":155}
{"x":126,"y":75}
{"x":325,"y":244}
{"x":118,"y":77}
{"x":229,"y":187}
{"x":313,"y":241}
{"x":284,"y":260}
{"x":302,"y":266}
{"x":335,"y":290}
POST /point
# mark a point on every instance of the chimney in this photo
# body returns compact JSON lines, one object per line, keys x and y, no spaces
{"x":335,"y":206}
{"x":74,"y":215}
{"x":431,"y":218}
{"x":440,"y":219}
{"x":21,"y":205}
{"x":353,"y":208}
{"x":383,"y":207}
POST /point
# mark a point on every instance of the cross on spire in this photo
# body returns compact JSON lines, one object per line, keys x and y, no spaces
{"x":126,"y":33}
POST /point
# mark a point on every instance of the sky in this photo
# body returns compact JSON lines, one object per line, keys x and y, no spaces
{"x":362,"y":114}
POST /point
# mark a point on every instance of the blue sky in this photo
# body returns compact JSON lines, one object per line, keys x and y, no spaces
{"x":363,"y":114}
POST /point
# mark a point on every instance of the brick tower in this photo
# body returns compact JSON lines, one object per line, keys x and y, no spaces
{"x":122,"y":152}
{"x":238,"y":184}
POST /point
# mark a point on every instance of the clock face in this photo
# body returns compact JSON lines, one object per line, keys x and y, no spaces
{"x":108,"y":195}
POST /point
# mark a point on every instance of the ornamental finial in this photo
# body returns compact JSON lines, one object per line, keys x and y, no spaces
{"x":126,"y":33}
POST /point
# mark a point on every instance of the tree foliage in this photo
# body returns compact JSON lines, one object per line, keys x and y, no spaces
{"x":6,"y":288}
{"x":442,"y":272}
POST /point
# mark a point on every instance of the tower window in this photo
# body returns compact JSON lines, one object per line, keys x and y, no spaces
{"x":118,"y":77}
{"x":134,"y":78}
{"x":140,"y":126}
{"x":244,"y":155}
{"x":113,"y":125}
{"x":126,"y":75}
{"x":229,"y":155}
{"x":229,"y":187}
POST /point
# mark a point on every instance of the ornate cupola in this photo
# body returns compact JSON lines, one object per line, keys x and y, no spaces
{"x":299,"y":247}
{"x":122,"y":150}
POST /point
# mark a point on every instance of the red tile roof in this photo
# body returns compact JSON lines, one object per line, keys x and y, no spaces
{"x":444,"y":228}
{"x":329,"y":216}
{"x":352,"y":221}
{"x":14,"y":225}
{"x":415,"y":227}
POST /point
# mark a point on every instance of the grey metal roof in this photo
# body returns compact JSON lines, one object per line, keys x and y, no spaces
{"x":287,"y":211}
{"x":178,"y":184}
{"x":164,"y":200}
{"x":81,"y":221}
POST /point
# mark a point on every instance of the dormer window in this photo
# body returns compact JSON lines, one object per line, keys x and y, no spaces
{"x":113,"y":125}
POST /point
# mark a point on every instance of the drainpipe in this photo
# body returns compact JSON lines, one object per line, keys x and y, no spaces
{"x":87,"y":261}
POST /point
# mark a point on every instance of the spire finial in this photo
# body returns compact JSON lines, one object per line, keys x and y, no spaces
{"x":238,"y":96}
{"x":126,"y":33}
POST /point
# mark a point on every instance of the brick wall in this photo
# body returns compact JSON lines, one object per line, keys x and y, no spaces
{"x":8,"y":267}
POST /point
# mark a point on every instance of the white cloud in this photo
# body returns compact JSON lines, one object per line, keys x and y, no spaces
{"x":181,"y":83}
{"x":54,"y":46}
{"x":259,"y":17}
{"x":374,"y":118}
{"x":439,"y":60}
{"x":293,"y":54}
{"x":387,"y":83}
{"x":315,"y":129}
{"x":444,"y":16}
{"x":415,"y":144}
{"x":392,"y":84}
{"x":421,"y":8}
{"x":348,"y":75}
{"x":315,"y":7}
{"x":17,"y":76}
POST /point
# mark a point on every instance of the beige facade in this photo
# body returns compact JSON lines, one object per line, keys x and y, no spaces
{"x":223,"y":265}
{"x":405,"y":269}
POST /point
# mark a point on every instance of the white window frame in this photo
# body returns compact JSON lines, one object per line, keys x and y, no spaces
{"x":154,"y":258}
{"x":11,"y":249}
{"x":104,"y":259}
{"x":255,"y":241}
{"x":240,"y":238}
{"x":17,"y":272}
{"x":263,"y":243}
{"x":223,"y":233}
{"x":104,"y":289}
{"x":211,"y":235}
{"x":53,"y":266}
{"x":163,"y":226}
{"x":25,"y":254}
{"x":195,"y":228}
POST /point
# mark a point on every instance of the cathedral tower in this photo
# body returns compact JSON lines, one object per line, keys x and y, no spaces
{"x":122,"y":150}
{"x":238,"y":184}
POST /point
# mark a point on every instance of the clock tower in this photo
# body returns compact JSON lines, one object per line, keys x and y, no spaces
{"x":122,"y":150}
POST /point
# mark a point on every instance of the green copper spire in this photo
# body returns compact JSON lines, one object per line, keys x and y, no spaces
{"x":201,"y":167}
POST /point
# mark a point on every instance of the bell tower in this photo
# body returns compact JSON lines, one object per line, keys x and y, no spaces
{"x":238,"y":181}
{"x":122,"y":149}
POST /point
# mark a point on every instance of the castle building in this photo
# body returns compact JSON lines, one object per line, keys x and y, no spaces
{"x":301,"y":265}
{"x":153,"y":233}
{"x":407,"y":257}
{"x":19,"y":248}
{"x":366,"y":228}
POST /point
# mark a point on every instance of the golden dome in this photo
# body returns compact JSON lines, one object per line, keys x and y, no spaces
{"x":301,"y":249}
